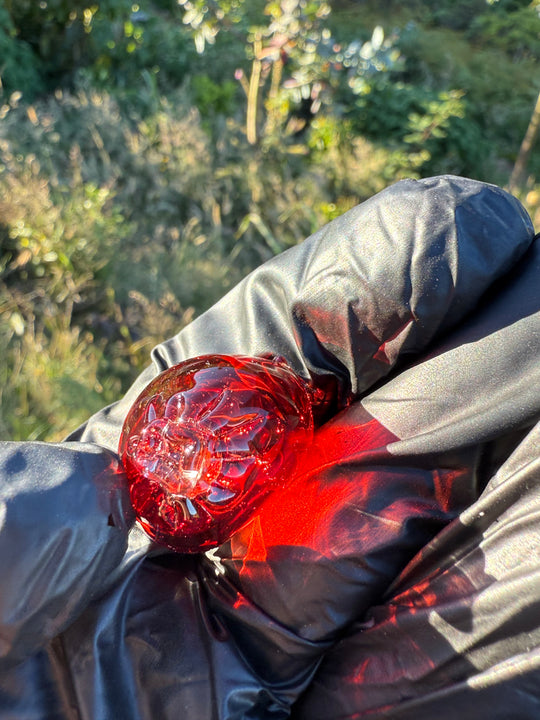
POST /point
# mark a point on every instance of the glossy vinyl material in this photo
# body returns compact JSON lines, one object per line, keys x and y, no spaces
{"x":397,"y":577}
{"x":207,"y":440}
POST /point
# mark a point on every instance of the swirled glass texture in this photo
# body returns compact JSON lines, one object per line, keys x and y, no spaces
{"x":207,"y":440}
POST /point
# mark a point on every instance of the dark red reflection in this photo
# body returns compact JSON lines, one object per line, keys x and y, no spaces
{"x":309,"y":514}
{"x":207,"y":440}
{"x":352,"y":517}
{"x":346,"y":484}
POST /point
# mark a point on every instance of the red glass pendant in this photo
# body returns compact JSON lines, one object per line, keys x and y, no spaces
{"x":207,"y":440}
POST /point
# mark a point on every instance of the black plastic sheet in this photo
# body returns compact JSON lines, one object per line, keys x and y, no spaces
{"x":398,"y":577}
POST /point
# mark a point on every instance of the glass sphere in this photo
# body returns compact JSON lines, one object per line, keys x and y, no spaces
{"x":207,"y":440}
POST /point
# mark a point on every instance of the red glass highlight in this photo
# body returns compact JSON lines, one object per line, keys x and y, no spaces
{"x":207,"y":440}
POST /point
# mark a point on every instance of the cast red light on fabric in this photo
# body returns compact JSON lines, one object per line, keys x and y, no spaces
{"x":207,"y":441}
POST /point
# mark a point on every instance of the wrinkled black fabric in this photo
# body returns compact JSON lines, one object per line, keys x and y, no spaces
{"x":398,"y":577}
{"x":63,"y":520}
{"x":458,"y":634}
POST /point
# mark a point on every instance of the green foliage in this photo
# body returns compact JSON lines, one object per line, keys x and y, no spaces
{"x":18,"y":68}
{"x":433,"y":129}
{"x":457,"y":14}
{"x":111,"y":41}
{"x":152,"y":153}
{"x":49,"y":378}
{"x":499,"y":93}
{"x":139,"y":45}
{"x":53,"y":237}
{"x":115,"y":231}
{"x":205,"y":18}
{"x":55,"y":242}
{"x":516,"y":33}
{"x":296,"y":66}
{"x":382,"y":110}
{"x":214,"y":98}
{"x":451,"y":140}
{"x":57,"y":30}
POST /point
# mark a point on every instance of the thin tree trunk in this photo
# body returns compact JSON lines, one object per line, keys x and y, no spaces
{"x":253,"y":93}
{"x":524,"y":153}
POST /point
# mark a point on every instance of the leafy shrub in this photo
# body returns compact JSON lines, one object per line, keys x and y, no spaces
{"x":515,"y":33}
{"x":351,"y":168}
{"x":19,"y":66}
{"x":382,"y":111}
{"x":70,"y":34}
{"x":457,"y":14}
{"x":213,"y":98}
{"x":54,"y":243}
{"x":53,"y":240}
{"x":49,"y":379}
{"x":133,"y":198}
{"x":499,"y":93}
{"x":111,"y":41}
{"x":434,"y":128}
{"x":145,"y":47}
{"x":117,"y":229}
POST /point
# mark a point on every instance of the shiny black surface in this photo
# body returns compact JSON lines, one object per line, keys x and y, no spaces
{"x":400,"y":578}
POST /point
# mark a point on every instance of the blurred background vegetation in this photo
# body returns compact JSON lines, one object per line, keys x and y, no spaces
{"x":152,"y":152}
